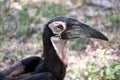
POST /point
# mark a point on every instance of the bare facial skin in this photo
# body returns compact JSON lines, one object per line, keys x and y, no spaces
{"x":61,"y":46}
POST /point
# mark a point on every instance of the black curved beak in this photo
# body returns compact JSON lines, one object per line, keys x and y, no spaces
{"x":79,"y":29}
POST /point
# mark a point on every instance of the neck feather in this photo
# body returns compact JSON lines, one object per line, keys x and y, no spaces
{"x":55,"y":47}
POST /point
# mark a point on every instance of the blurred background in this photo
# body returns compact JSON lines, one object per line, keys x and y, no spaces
{"x":22,"y":23}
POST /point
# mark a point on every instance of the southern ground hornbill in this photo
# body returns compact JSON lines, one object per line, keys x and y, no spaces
{"x":52,"y":65}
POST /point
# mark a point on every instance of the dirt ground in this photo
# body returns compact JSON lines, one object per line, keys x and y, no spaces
{"x":22,"y":21}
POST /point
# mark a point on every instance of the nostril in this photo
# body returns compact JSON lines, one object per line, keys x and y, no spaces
{"x":64,"y":36}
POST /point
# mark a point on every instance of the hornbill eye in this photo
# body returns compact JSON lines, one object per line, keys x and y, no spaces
{"x":58,"y":28}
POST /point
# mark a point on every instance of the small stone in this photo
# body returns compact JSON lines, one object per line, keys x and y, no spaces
{"x":89,"y":13}
{"x":101,"y":3}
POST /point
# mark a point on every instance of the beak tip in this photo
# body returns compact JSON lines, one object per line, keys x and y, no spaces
{"x":106,"y":39}
{"x":102,"y":37}
{"x":98,"y":35}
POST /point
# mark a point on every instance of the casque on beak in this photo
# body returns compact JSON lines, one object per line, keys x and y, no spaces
{"x":79,"y":29}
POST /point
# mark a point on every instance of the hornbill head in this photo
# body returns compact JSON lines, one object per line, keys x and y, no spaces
{"x":61,"y":29}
